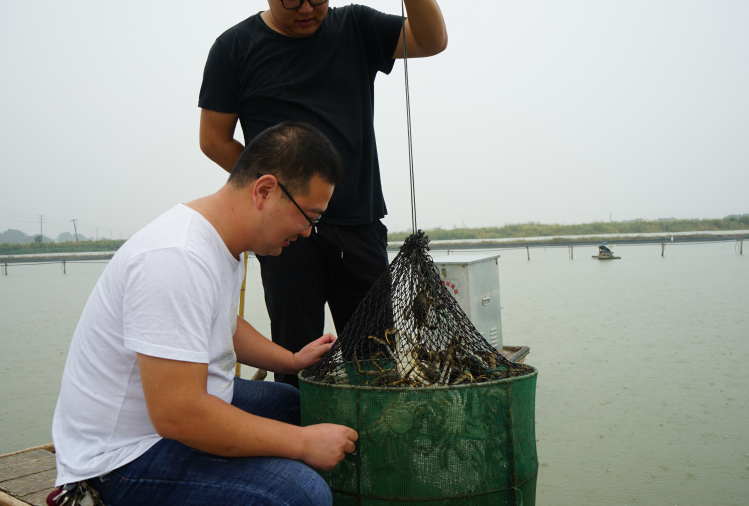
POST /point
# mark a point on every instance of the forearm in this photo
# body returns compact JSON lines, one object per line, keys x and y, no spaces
{"x":224,"y":154}
{"x":427,"y":25}
{"x":255,"y":350}
{"x":213,"y":426}
{"x":217,"y":140}
{"x":181,"y":409}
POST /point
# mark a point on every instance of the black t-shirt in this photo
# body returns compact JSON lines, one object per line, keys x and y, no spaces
{"x":326,"y":80}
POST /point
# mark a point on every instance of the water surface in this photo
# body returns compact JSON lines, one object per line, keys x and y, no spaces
{"x":643,"y":387}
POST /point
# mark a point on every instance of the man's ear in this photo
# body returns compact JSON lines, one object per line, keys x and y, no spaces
{"x":262,"y":189}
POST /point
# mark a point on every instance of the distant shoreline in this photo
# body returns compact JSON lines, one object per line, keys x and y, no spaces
{"x":732,"y":224}
{"x":43,"y":258}
{"x":463,"y":244}
{"x":104,"y":246}
{"x":585,"y":240}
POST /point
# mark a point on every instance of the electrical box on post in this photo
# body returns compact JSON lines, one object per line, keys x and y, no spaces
{"x":474,"y":282}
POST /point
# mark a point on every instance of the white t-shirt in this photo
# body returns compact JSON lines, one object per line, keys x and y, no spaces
{"x":171,"y":291}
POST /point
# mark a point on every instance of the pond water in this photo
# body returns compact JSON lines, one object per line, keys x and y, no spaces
{"x":643,"y":387}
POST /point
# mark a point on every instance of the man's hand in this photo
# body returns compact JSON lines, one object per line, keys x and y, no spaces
{"x":257,"y":351}
{"x":327,"y":444}
{"x":311,"y":353}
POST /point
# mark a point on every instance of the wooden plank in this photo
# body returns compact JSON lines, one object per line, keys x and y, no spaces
{"x":30,"y":484}
{"x":7,"y":500}
{"x":37,"y":498}
{"x":49,"y":447}
{"x":24,"y":464}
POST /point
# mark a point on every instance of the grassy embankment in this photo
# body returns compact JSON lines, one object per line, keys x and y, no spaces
{"x":533,"y":229}
{"x":515,"y":230}
{"x":61,"y":247}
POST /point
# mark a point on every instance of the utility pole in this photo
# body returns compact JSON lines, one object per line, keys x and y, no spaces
{"x":75,"y":228}
{"x":41,"y":226}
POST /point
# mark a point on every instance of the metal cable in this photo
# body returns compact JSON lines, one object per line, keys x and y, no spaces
{"x":408,"y":122}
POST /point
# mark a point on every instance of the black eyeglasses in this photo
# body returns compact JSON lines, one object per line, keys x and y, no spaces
{"x":312,"y":222}
{"x":295,"y":4}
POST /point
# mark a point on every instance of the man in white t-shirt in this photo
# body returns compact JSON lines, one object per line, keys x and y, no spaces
{"x":149,"y":402}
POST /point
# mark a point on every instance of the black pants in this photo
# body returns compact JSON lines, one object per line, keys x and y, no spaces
{"x":336,"y":264}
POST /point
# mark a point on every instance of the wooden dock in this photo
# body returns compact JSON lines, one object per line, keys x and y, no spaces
{"x":27,"y":476}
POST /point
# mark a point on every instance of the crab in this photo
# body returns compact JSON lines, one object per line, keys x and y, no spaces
{"x":378,"y":376}
{"x":395,"y":432}
{"x":457,"y":431}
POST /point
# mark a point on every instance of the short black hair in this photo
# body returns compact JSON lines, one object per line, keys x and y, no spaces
{"x":292,"y":151}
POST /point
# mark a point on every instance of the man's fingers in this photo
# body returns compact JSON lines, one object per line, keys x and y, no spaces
{"x":327,"y":338}
{"x":321,"y":350}
{"x":326,"y":347}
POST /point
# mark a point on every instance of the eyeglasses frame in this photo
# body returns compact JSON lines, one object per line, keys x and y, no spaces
{"x":312,"y":222}
{"x":300,"y":4}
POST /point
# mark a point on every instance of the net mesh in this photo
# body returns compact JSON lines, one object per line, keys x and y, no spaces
{"x":409,"y":331}
{"x":442,"y":417}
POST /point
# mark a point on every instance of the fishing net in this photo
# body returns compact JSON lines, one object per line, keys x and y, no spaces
{"x":441,"y":414}
{"x":409,"y":331}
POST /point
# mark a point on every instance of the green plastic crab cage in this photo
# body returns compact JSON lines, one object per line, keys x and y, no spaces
{"x":468,"y":444}
{"x":442,"y":416}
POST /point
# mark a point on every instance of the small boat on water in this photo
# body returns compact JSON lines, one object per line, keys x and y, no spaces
{"x":605,"y":253}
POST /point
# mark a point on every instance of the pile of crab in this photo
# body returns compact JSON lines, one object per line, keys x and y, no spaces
{"x":409,"y":331}
{"x":402,"y":361}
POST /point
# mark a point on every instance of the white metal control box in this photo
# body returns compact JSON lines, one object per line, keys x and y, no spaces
{"x":474,"y":282}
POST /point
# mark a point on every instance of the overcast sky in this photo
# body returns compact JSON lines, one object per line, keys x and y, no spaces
{"x":551,"y":111}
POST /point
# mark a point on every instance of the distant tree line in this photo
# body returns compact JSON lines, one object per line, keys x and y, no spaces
{"x":535,"y":229}
{"x":13,"y":236}
{"x":511,"y":230}
{"x":61,"y":247}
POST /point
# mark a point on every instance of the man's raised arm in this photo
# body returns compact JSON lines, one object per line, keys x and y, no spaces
{"x":217,"y":140}
{"x":426,"y":34}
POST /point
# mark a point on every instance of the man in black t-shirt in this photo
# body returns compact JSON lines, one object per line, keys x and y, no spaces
{"x":301,"y":60}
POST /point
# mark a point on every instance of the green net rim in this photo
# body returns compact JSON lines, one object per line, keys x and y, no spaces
{"x":418,"y":389}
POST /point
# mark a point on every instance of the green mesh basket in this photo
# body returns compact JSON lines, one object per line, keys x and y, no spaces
{"x":471,"y":444}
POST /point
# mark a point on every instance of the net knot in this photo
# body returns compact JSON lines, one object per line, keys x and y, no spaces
{"x":418,"y":241}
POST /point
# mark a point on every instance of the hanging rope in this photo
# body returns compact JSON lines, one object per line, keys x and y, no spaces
{"x":408,"y":122}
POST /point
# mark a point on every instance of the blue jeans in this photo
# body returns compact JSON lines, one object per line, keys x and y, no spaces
{"x":171,"y":473}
